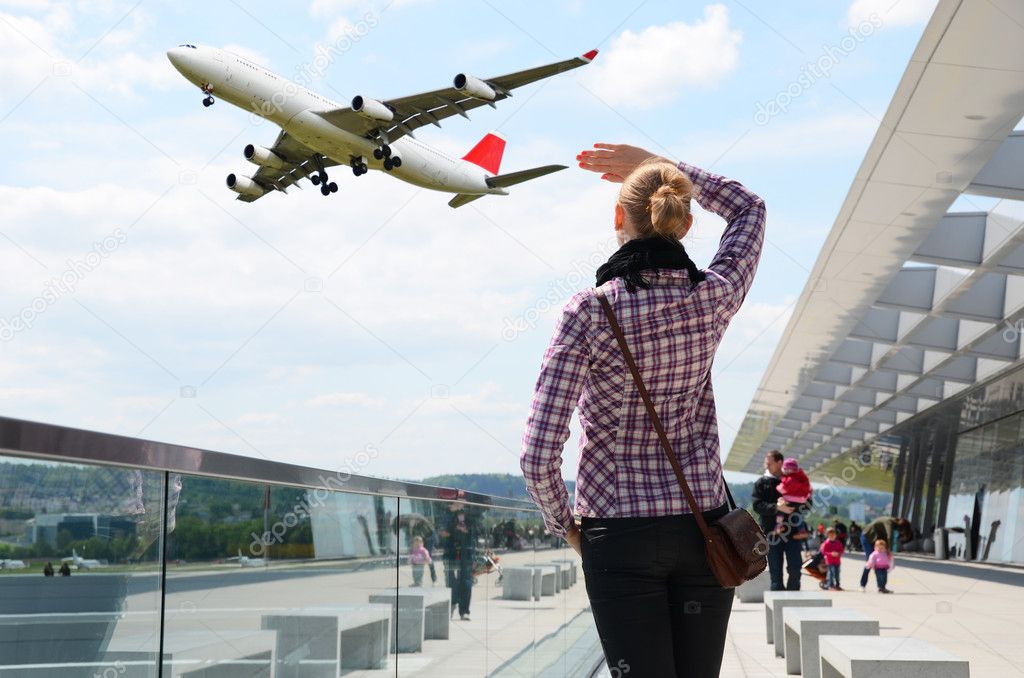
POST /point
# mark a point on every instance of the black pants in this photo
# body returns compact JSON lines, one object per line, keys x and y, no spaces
{"x":790,"y":550}
{"x":659,"y":611}
{"x":459,"y":577}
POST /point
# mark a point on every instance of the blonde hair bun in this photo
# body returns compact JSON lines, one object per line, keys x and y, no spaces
{"x":657,"y":196}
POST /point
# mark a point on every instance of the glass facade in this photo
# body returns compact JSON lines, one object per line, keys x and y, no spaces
{"x":171,"y":574}
{"x":959,"y":466}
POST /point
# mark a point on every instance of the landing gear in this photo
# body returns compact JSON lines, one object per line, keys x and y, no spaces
{"x":208,"y":91}
{"x":320,"y":179}
{"x":383,"y":152}
{"x":359,"y":166}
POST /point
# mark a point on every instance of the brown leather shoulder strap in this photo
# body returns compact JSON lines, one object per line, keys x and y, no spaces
{"x":651,"y":412}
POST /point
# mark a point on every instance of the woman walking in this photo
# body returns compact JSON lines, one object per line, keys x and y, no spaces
{"x":659,"y":610}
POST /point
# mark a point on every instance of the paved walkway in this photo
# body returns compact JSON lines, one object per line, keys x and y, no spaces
{"x":974,"y":611}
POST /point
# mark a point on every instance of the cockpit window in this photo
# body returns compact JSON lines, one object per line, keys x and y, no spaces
{"x":189,"y":46}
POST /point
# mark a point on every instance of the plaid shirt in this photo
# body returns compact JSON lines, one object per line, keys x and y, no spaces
{"x":673,"y":332}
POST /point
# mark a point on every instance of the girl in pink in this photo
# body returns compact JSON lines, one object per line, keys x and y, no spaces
{"x":419,"y":557}
{"x":881,"y":561}
{"x":832,"y":549}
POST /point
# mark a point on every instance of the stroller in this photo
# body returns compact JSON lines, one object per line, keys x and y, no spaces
{"x":815,"y":566}
{"x":485,"y":564}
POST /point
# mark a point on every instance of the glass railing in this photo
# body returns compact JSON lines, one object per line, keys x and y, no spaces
{"x":122,"y":557}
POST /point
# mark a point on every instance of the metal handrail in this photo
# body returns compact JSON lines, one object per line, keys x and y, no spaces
{"x":52,"y":442}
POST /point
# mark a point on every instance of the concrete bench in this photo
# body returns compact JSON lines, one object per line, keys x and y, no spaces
{"x":538,"y":576}
{"x":775,"y":601}
{"x":322,"y":642}
{"x":421,"y":614}
{"x":803,"y":625}
{"x":887,"y":657}
{"x":753,"y":591}
{"x":564,"y":573}
{"x":517,"y":583}
{"x":548,"y":580}
{"x":197,"y":653}
{"x":572,"y":569}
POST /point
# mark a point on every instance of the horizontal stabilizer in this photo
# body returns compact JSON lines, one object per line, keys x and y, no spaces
{"x":513,"y":178}
{"x":462,"y":198}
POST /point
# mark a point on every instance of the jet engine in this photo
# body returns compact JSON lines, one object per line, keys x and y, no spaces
{"x":372,"y":109}
{"x":473,"y":87}
{"x":264,"y":157}
{"x":244,"y":186}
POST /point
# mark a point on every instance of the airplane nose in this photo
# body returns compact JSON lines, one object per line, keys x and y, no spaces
{"x":176,"y":56}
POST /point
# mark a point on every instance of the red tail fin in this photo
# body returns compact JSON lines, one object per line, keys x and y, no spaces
{"x":487,"y":153}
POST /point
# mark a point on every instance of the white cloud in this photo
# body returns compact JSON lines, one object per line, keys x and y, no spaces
{"x":785,"y":137}
{"x":899,"y":13}
{"x":658,"y":64}
{"x":327,"y":8}
{"x":29,"y":5}
{"x":342,"y":398}
{"x":334,"y":8}
{"x":488,"y":399}
{"x":36,"y":56}
{"x":262,"y":418}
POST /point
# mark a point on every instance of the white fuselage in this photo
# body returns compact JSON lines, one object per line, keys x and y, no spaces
{"x":294,"y":108}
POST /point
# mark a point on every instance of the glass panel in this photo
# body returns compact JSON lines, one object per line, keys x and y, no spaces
{"x":79,"y":569}
{"x":513,"y":609}
{"x":505,"y":601}
{"x":270,"y":580}
{"x":455,"y":607}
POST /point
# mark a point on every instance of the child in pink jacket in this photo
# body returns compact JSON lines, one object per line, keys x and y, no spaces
{"x":833,"y":550}
{"x":419,"y":557}
{"x":881,"y":561}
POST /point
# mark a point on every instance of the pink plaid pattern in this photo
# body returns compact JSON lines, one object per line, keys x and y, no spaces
{"x":673,"y":332}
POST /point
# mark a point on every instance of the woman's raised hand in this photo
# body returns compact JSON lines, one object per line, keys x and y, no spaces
{"x":614,"y":162}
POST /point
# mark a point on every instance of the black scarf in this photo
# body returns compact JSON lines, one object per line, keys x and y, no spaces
{"x":643,"y":254}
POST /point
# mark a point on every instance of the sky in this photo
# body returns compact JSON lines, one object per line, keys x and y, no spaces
{"x":378,"y":330}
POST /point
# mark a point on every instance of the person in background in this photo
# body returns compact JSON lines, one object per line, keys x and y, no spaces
{"x":419,"y":558}
{"x":459,"y":532}
{"x":881,"y":561}
{"x":854,"y":538}
{"x":886,"y":527}
{"x":841,"y":531}
{"x":65,"y":570}
{"x":48,"y":569}
{"x":795,"y":490}
{"x":832,"y":549}
{"x":769,"y":505}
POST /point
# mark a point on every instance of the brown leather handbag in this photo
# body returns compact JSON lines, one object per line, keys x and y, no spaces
{"x":735,"y":546}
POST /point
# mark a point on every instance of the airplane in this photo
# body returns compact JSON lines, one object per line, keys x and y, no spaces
{"x":318,"y":133}
{"x":82,"y":563}
{"x":11,"y":564}
{"x":246,"y":561}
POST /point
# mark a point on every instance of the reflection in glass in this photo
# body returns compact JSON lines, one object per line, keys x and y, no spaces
{"x":79,"y":569}
{"x":270,"y":580}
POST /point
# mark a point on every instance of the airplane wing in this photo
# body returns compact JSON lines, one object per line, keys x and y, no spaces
{"x":429,"y":108}
{"x":300,"y":165}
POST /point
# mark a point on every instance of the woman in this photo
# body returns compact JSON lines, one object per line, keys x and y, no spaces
{"x":658,"y":608}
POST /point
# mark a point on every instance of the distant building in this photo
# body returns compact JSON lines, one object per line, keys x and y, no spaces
{"x":45,"y":527}
{"x":901,"y":368}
